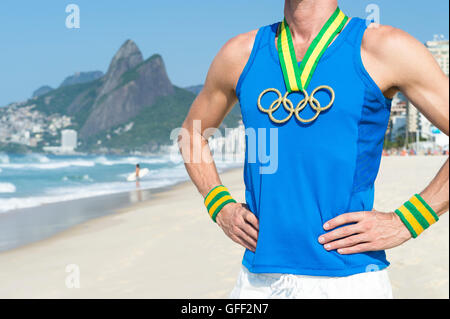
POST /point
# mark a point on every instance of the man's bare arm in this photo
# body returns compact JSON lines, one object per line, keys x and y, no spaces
{"x":397,"y":62}
{"x":407,"y":66}
{"x":427,"y":87}
{"x":207,"y":112}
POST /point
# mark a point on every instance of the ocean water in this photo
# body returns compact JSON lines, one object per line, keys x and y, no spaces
{"x":35,"y":179}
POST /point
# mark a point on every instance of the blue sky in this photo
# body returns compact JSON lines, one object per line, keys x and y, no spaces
{"x":36,"y":48}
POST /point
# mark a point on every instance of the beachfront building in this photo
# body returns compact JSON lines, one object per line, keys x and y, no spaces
{"x":397,"y":126}
{"x":68,"y":143}
{"x":399,"y":105}
{"x":417,"y":125}
{"x":397,"y":122}
{"x":439,"y":49}
{"x":423,"y":130}
{"x":412,"y":114}
{"x":68,"y":140}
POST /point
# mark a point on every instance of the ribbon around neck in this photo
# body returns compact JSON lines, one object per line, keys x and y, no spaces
{"x":298,"y":77}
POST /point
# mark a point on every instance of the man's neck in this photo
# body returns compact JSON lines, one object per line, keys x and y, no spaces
{"x":306,"y":17}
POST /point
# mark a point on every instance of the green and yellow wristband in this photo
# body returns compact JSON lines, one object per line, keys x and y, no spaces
{"x":216,"y":199}
{"x":417,"y":215}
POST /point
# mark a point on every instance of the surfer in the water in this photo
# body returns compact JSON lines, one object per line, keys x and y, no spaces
{"x":138,"y":168}
{"x":138,"y":171}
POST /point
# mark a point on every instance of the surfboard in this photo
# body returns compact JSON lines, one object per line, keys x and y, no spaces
{"x":132,"y":176}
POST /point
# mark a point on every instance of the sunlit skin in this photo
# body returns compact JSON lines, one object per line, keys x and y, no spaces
{"x":394,"y":59}
{"x":138,"y":169}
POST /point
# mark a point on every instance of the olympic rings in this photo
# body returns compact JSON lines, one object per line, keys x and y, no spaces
{"x":289,"y":106}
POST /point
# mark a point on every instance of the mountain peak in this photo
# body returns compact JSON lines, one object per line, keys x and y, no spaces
{"x":130,"y":85}
{"x":129,"y":50}
{"x":126,"y":58}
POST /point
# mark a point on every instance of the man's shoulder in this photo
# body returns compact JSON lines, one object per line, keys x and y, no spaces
{"x":232,"y":58}
{"x":246,"y":38}
{"x":389,"y":54}
{"x":238,"y":48}
{"x":384,"y":40}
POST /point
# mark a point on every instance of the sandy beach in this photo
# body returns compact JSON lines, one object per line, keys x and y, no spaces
{"x":167,"y":247}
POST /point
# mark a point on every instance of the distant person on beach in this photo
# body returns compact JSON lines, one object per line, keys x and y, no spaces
{"x":308,"y":225}
{"x":138,"y":169}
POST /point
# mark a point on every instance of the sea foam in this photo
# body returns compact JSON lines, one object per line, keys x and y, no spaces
{"x":7,"y":188}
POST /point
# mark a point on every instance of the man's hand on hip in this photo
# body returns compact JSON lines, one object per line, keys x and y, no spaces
{"x":364,"y":231}
{"x":240,"y":224}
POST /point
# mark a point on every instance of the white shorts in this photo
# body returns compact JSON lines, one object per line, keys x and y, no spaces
{"x":368,"y":285}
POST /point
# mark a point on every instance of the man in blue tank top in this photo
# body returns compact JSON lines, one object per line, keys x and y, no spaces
{"x":319,"y":86}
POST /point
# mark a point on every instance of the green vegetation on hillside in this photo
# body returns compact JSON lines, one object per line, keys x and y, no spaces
{"x":133,"y":74}
{"x":152,"y":127}
{"x":58,"y":101}
{"x":147,"y":131}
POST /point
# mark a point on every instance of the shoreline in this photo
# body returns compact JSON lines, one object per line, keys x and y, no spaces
{"x":131,"y":254}
{"x":44,"y":221}
{"x":167,"y":247}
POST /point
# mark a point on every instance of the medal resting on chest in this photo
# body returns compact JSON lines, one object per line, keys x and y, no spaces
{"x":297,"y":77}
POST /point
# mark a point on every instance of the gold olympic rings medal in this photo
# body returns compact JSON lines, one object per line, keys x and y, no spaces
{"x":289,"y":106}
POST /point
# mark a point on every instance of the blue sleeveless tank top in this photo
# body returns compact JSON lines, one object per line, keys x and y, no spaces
{"x":316,"y":171}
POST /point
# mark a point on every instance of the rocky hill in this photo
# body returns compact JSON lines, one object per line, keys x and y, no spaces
{"x":130,"y":85}
{"x":134,"y":106}
{"x":81,"y":77}
{"x":42,"y":90}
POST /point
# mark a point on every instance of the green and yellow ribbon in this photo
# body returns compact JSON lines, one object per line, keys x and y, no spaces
{"x":417,"y":215}
{"x":216,"y":199}
{"x":298,"y":77}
